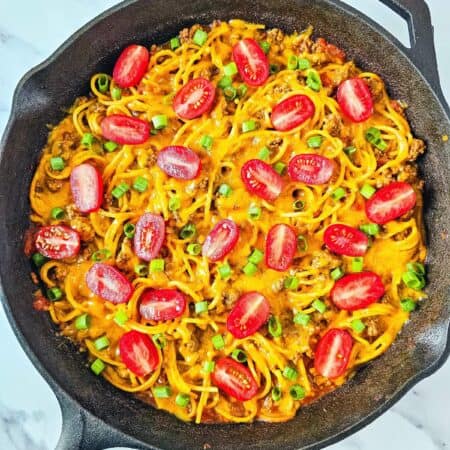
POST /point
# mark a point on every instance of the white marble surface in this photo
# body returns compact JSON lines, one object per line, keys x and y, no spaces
{"x":30,"y":30}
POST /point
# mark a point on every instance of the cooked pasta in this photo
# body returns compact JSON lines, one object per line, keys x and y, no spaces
{"x":280,"y":357}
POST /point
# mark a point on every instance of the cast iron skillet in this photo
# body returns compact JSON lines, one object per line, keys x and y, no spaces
{"x":95,"y":414}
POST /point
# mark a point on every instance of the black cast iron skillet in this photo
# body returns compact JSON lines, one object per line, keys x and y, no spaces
{"x":95,"y":414}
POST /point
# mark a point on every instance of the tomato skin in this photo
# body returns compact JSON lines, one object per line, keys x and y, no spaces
{"x":292,"y":112}
{"x":249,"y":313}
{"x":251,"y":61}
{"x":355,"y":99}
{"x":149,"y":236}
{"x":138,"y":353}
{"x":281,"y":245}
{"x":235,"y":379}
{"x":345,"y":240}
{"x":310,"y":168}
{"x":57,"y":242}
{"x":86,"y":185}
{"x":125,"y":129}
{"x":221,"y":240}
{"x":131,"y":66}
{"x":357,"y":290}
{"x":261,"y":179}
{"x":109,"y":283}
{"x":194,"y":99}
{"x":390,"y":202}
{"x":162,"y":304}
{"x":333,"y":353}
{"x":179,"y":162}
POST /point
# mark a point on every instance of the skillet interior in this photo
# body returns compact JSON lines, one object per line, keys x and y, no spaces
{"x":41,"y":99}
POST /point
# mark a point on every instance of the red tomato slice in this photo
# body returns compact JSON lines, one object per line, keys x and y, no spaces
{"x":251,"y":61}
{"x":149,"y":236}
{"x":162,"y":304}
{"x":249,"y":313}
{"x":261,"y":179}
{"x":357,"y":290}
{"x":194,"y":99}
{"x":179,"y":162}
{"x":220,"y":240}
{"x":109,"y":283}
{"x":125,"y":129}
{"x":86,"y":185}
{"x":235,"y":379}
{"x":281,"y":245}
{"x":292,"y":112}
{"x":131,"y":66}
{"x":138,"y":353}
{"x":57,"y":242}
{"x":355,"y":99}
{"x":310,"y":168}
{"x":333,"y":353}
{"x":390,"y":202}
{"x":345,"y":240}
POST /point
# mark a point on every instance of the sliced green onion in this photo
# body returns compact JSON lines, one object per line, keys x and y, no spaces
{"x":121,"y":317}
{"x":298,"y":205}
{"x":250,"y":269}
{"x":373,"y":136}
{"x":292,"y":63}
{"x":218,"y":341}
{"x":159,"y":339}
{"x":120,"y":190}
{"x":54,"y":294}
{"x":302,"y":319}
{"x":57,"y":213}
{"x":162,"y":391}
{"x":337,"y":273}
{"x":57,"y":163}
{"x":264,"y":154}
{"x":358,"y":325}
{"x":273,"y":68}
{"x":303,"y":64}
{"x":357,"y":264}
{"x":230,"y":69}
{"x":372,"y":229}
{"x":116,"y":93}
{"x":350,"y":150}
{"x":157,"y":265}
{"x":230,"y":93}
{"x":413,"y":280}
{"x":174,"y":203}
{"x":275,"y":328}
{"x":314,"y":141}
{"x":313,"y":80}
{"x":416,"y":267}
{"x":201,"y":307}
{"x":101,"y":343}
{"x":367,"y":191}
{"x":83,"y":322}
{"x":87,"y":140}
{"x":141,"y":270}
{"x":239,"y":355}
{"x":319,"y":305}
{"x":297,"y":392}
{"x":39,"y":259}
{"x":160,"y":121}
{"x":101,"y":255}
{"x":200,"y":37}
{"x":408,"y":304}
{"x":224,"y":271}
{"x":110,"y":146}
{"x":256,"y":257}
{"x":188,"y":231}
{"x":175,"y":43}
{"x":280,"y":167}
{"x":291,"y":283}
{"x":208,"y":366}
{"x":182,"y":400}
{"x":140,"y":184}
{"x":265,"y":46}
{"x":276,"y":394}
{"x":302,"y":243}
{"x":254,"y":212}
{"x":225,"y":190}
{"x":242,"y":90}
{"x":338,"y":193}
{"x":103,"y":83}
{"x":154,"y":131}
{"x":225,"y":82}
{"x":290,"y":373}
{"x":129,"y":230}
{"x":248,"y":125}
{"x":206,"y":142}
{"x":194,"y":249}
{"x":98,"y":366}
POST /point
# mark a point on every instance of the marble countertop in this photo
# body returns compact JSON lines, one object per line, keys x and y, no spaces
{"x":30,"y":419}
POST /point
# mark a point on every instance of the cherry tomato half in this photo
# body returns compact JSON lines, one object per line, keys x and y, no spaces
{"x":249,"y":313}
{"x":162,"y":304}
{"x":138,"y":353}
{"x":281,"y":245}
{"x":235,"y":379}
{"x":57,"y":242}
{"x":179,"y":162}
{"x":251,"y":61}
{"x":149,"y":236}
{"x":86,"y":185}
{"x":125,"y":129}
{"x":357,"y":290}
{"x":355,"y":99}
{"x":261,"y":179}
{"x":310,"y":168}
{"x":292,"y":112}
{"x":220,"y":240}
{"x":109,"y":283}
{"x":333,"y":353}
{"x":194,"y":99}
{"x":131,"y":66}
{"x":345,"y":240}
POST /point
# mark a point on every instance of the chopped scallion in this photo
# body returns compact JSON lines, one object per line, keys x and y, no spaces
{"x":39,"y":259}
{"x":264,"y":154}
{"x":358,"y":325}
{"x":157,"y":265}
{"x":230,"y":93}
{"x":182,"y":400}
{"x":200,"y":37}
{"x":413,"y":280}
{"x":160,"y":121}
{"x":302,"y":243}
{"x":110,"y":146}
{"x":338,"y":194}
{"x":297,"y":392}
{"x":239,"y":355}
{"x":224,"y":271}
{"x":256,"y":257}
{"x":276,"y":394}
{"x":302,"y":319}
{"x":57,"y":163}
{"x":201,"y":307}
{"x":101,"y":255}
{"x":116,"y":93}
{"x":371,"y":229}
{"x":280,"y":167}
{"x":218,"y":341}
{"x":357,"y":264}
{"x":101,"y":343}
{"x":162,"y":391}
{"x":54,"y":294}
{"x":140,"y":184}
{"x":367,"y":191}
{"x":159,"y":339}
{"x":313,"y":80}
{"x":319,"y":306}
{"x":128,"y":230}
{"x":194,"y":249}
{"x":141,"y":270}
{"x":87,"y":140}
{"x":83,"y":322}
{"x":303,"y":64}
{"x":57,"y":213}
{"x":174,"y":203}
{"x":188,"y":231}
{"x":248,"y":125}
{"x":120,"y":190}
{"x":408,"y":304}
{"x":230,"y":69}
{"x":175,"y":43}
{"x":292,"y":63}
{"x":314,"y":141}
{"x":290,"y":373}
{"x":274,"y":327}
{"x":208,"y":366}
{"x":337,"y":273}
{"x":265,"y":46}
{"x":225,"y":82}
{"x":254,"y":212}
{"x":103,"y":83}
{"x":121,"y":317}
{"x":225,"y":190}
{"x":206,"y":142}
{"x":291,"y":283}
{"x":250,"y":269}
{"x":98,"y":366}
